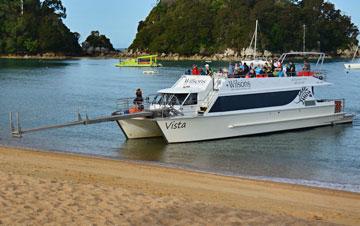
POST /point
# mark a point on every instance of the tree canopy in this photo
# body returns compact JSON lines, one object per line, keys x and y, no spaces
{"x":34,"y":26}
{"x":96,"y":40}
{"x":211,"y":26}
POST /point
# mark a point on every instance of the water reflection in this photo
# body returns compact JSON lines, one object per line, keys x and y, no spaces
{"x":32,"y":63}
{"x":297,"y":154}
{"x":143,"y":149}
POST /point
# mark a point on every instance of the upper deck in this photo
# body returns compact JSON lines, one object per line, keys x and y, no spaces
{"x":228,"y":86}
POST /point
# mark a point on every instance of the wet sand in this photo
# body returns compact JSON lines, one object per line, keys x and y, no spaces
{"x":38,"y":188}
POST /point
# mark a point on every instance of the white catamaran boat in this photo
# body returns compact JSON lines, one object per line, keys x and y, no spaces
{"x":198,"y":108}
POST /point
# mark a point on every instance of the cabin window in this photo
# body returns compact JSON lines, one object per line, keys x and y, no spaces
{"x":178,"y":98}
{"x":253,"y":101}
{"x":164,"y":99}
{"x":170,"y":99}
{"x":192,"y":99}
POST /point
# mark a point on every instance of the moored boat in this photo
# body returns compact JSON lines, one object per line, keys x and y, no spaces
{"x":143,"y":61}
{"x":198,"y":108}
{"x":255,"y":61}
{"x":353,"y":65}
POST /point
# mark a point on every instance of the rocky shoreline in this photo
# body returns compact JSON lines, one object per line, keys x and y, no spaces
{"x":51,"y":56}
{"x":228,"y":55}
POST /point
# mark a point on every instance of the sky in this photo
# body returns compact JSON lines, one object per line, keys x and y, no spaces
{"x":118,"y":19}
{"x":350,"y":8}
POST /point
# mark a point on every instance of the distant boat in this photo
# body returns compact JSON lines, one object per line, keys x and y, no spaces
{"x":143,"y":61}
{"x":255,"y":61}
{"x":353,"y":65}
{"x":149,"y":72}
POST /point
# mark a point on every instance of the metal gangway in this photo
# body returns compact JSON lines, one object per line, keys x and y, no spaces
{"x":17,"y":131}
{"x":123,"y":106}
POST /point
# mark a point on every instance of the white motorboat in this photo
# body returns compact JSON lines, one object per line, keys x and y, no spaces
{"x":150,"y":72}
{"x":353,"y":65}
{"x":198,"y":108}
{"x":255,"y":61}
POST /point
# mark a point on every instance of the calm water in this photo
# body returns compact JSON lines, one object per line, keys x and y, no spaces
{"x":48,"y":92}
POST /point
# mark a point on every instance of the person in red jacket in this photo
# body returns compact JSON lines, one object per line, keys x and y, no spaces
{"x":195,"y":70}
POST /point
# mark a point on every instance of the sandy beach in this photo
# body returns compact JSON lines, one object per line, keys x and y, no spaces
{"x":44,"y":188}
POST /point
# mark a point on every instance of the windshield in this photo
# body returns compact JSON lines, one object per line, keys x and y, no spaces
{"x":175,"y":99}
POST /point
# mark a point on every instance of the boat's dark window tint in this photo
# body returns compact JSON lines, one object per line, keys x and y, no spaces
{"x":165,"y":99}
{"x":253,"y":101}
{"x":191,"y":100}
{"x":180,"y":97}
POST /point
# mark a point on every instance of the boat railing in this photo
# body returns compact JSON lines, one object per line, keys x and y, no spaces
{"x":125,"y":104}
{"x":129,"y":105}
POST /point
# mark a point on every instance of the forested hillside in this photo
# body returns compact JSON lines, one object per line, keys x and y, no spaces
{"x":34,"y":26}
{"x":97,"y":44}
{"x":211,"y":26}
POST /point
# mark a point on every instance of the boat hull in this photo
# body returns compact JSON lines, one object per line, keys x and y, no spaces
{"x":219,"y":127}
{"x":352,"y":66}
{"x":140,"y":128}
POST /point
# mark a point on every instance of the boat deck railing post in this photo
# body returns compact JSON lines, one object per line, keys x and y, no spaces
{"x":15,"y":131}
{"x":11,"y":122}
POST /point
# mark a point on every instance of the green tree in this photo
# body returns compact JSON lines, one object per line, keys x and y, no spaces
{"x":97,"y":41}
{"x":35,"y":27}
{"x":210,"y":26}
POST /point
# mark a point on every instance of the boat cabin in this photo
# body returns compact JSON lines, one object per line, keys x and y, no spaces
{"x":199,"y":95}
{"x":143,"y":61}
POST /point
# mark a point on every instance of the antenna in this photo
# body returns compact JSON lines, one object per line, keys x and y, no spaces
{"x":304,"y":37}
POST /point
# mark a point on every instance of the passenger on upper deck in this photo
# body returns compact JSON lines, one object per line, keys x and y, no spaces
{"x":306,"y":66}
{"x":272,"y":65}
{"x":259,"y":70}
{"x":252,"y":73}
{"x":292,"y":69}
{"x":237,"y":67}
{"x":286,"y":70}
{"x":267,"y":69}
{"x":278,"y":71}
{"x":246,"y":69}
{"x":252,"y":66}
{"x":231,"y":70}
{"x":195,"y":70}
{"x":208,"y":70}
{"x":241,"y":66}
